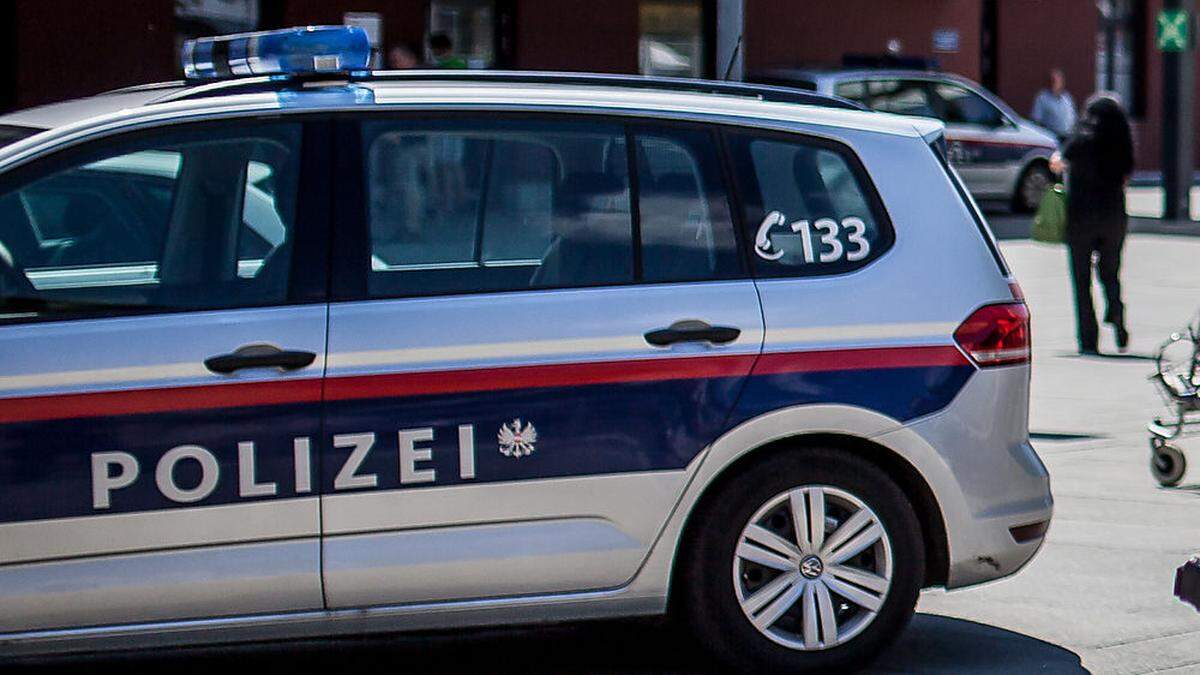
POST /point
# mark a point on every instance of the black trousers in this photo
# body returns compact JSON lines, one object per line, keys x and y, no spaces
{"x":1108,"y":245}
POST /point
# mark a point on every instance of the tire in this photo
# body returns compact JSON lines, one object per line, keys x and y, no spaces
{"x":721,"y":588}
{"x":1167,"y":465}
{"x":1035,"y":180}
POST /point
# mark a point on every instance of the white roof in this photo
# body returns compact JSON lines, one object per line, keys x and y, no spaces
{"x":130,"y":106}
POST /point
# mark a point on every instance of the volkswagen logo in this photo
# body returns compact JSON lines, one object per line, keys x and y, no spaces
{"x":811,"y":567}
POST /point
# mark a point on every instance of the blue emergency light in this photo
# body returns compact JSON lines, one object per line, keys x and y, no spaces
{"x":290,"y":51}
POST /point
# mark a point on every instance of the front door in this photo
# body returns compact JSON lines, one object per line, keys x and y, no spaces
{"x":161,"y":380}
{"x":542,"y":341}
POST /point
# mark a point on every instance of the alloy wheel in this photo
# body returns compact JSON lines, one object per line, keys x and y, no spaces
{"x":812,"y":567}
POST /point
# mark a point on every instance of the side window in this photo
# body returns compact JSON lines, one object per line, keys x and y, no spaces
{"x":686,"y":230}
{"x":262,"y":230}
{"x":463,"y":206}
{"x":962,"y":106}
{"x":186,"y":219}
{"x":855,"y":91}
{"x":807,"y":208}
{"x":903,"y":97}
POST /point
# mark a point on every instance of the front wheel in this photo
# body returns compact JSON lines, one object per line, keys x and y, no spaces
{"x":1034,"y":183}
{"x":810,"y":560}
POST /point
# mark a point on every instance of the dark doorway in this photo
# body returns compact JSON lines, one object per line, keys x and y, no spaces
{"x":8,"y":56}
{"x":989,"y":44}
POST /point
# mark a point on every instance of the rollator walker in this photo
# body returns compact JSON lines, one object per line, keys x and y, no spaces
{"x":1177,"y":374}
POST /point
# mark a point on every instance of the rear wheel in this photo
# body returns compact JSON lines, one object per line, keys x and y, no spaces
{"x":809,"y":560}
{"x":1032,"y":187}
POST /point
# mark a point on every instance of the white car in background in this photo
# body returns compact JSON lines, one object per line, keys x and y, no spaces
{"x":999,"y":154}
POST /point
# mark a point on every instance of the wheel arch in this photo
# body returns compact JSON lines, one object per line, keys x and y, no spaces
{"x":907,"y":476}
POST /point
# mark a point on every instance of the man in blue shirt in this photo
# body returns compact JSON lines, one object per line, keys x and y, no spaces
{"x":1054,"y":108}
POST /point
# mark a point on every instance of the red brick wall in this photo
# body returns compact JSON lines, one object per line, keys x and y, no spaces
{"x":820,"y":32}
{"x":1037,"y":35}
{"x":67,"y":48}
{"x":577,"y":35}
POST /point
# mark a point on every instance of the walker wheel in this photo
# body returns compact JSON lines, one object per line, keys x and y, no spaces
{"x":1167,"y":465}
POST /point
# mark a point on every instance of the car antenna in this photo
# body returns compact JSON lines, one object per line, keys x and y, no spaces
{"x":737,"y":46}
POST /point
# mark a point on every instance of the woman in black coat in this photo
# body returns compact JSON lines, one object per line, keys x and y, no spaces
{"x":1099,"y":159}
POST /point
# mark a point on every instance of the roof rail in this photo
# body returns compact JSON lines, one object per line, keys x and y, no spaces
{"x":762,"y":92}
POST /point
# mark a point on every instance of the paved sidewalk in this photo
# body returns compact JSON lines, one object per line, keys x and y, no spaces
{"x":1100,"y":591}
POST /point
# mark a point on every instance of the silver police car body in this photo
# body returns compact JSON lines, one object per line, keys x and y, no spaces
{"x":526,"y":352}
{"x":999,"y":153}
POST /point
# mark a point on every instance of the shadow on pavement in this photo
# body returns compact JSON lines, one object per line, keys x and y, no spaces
{"x":1113,"y":356}
{"x":942,"y":644}
{"x":932,"y":644}
{"x":1063,"y":436}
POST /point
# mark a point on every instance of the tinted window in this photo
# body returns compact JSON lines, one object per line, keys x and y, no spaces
{"x":806,"y":208}
{"x":175,"y":221}
{"x":686,"y":233}
{"x":962,"y":106}
{"x":460,"y":207}
{"x":903,"y":97}
{"x":855,"y":91}
{"x":477,"y":206}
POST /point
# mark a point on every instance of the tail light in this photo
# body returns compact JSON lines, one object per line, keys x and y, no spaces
{"x":996,"y":335}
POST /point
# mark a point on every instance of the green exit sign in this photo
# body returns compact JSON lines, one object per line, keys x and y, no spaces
{"x":1173,"y":31}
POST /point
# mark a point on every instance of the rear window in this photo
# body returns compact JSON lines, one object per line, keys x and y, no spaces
{"x":808,"y":207}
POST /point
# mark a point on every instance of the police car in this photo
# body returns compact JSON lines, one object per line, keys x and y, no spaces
{"x":292,"y":349}
{"x":999,"y":154}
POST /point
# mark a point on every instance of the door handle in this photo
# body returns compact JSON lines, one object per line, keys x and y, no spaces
{"x":692,"y":330}
{"x":259,"y":356}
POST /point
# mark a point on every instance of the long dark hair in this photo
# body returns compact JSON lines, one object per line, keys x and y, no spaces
{"x":1106,"y":126}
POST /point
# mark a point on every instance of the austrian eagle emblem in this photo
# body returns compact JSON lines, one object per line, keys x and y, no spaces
{"x":516,"y":440}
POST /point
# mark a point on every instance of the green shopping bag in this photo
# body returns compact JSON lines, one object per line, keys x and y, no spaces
{"x":1050,"y":222}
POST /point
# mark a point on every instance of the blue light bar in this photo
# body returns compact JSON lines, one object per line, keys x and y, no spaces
{"x":289,"y":51}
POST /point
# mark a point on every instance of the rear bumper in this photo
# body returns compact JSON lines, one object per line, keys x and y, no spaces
{"x":992,"y":551}
{"x":987,"y":478}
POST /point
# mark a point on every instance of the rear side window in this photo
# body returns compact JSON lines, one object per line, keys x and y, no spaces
{"x":902,"y":97}
{"x":855,"y":91}
{"x":808,"y":208}
{"x":478,"y":206}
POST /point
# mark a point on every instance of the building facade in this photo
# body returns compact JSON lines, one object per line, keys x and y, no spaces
{"x":57,"y":49}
